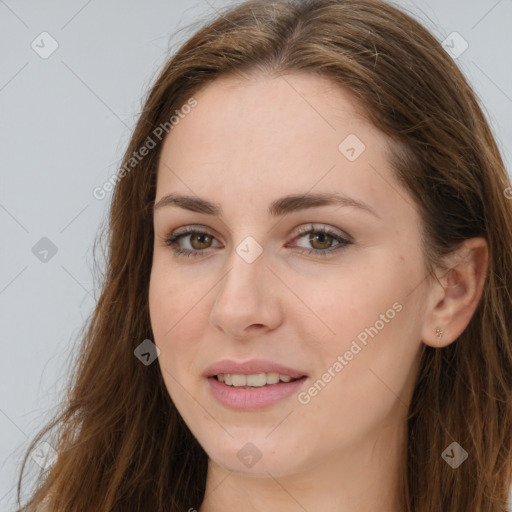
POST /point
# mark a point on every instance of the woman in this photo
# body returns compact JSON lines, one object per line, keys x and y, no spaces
{"x":306,"y":304}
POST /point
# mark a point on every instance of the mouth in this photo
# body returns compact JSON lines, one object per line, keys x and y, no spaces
{"x":254,"y":384}
{"x":253,"y":381}
{"x":255,"y":370}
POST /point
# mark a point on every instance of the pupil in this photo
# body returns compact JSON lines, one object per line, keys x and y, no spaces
{"x":323,"y":236}
{"x":200,"y":238}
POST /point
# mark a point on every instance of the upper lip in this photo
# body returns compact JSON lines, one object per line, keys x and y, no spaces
{"x":251,"y":367}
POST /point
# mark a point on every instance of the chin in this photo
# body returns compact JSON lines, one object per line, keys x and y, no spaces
{"x":255,"y":455}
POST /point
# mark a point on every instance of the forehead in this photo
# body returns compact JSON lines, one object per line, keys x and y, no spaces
{"x":268,"y":136}
{"x":292,"y":112}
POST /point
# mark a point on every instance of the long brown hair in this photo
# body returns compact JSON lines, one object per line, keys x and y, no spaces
{"x":122,"y":445}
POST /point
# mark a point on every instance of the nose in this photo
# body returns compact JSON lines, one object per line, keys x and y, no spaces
{"x":247,"y":302}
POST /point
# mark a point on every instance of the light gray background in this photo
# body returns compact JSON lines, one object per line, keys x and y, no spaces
{"x":65,"y":122}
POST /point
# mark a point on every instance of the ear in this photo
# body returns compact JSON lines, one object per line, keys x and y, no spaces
{"x":453,"y":299}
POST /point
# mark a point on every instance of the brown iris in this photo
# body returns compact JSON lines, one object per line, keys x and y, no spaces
{"x":203,"y":239}
{"x":327,"y":239}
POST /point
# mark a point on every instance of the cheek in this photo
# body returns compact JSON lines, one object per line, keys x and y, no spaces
{"x":370,"y":388}
{"x":164,"y":312}
{"x":169,"y":299}
{"x":173,"y":308}
{"x":161,"y":307}
{"x":369,"y":319}
{"x":377,"y":369}
{"x":341,"y":307}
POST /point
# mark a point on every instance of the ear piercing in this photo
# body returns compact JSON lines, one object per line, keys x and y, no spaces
{"x":439,"y":332}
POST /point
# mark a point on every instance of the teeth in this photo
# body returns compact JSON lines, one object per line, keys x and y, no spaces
{"x":255,"y":380}
{"x":271,"y":378}
{"x":238,"y":380}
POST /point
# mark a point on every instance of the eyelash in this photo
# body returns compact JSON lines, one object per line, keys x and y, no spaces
{"x":194,"y":253}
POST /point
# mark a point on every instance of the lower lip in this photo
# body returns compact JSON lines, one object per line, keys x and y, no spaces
{"x":251,"y":399}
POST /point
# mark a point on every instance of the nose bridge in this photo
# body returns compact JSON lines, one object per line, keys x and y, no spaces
{"x":240,"y":282}
{"x":246,"y":266}
{"x":243,"y":297}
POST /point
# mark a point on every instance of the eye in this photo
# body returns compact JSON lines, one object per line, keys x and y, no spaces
{"x":199,"y":240}
{"x":321,"y":239}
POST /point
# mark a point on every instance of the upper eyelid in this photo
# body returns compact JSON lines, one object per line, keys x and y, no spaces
{"x":299,"y":232}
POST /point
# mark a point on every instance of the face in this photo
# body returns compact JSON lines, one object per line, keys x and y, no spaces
{"x":330,"y":294}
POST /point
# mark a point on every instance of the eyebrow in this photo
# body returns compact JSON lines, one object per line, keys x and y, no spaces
{"x":279,"y":207}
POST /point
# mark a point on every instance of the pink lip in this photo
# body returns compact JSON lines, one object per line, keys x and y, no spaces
{"x":255,"y":398}
{"x":252,"y":398}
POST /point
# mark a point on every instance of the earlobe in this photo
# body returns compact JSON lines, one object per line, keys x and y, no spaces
{"x":456,"y":296}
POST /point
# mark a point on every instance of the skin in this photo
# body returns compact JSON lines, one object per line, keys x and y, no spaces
{"x":248,"y":142}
